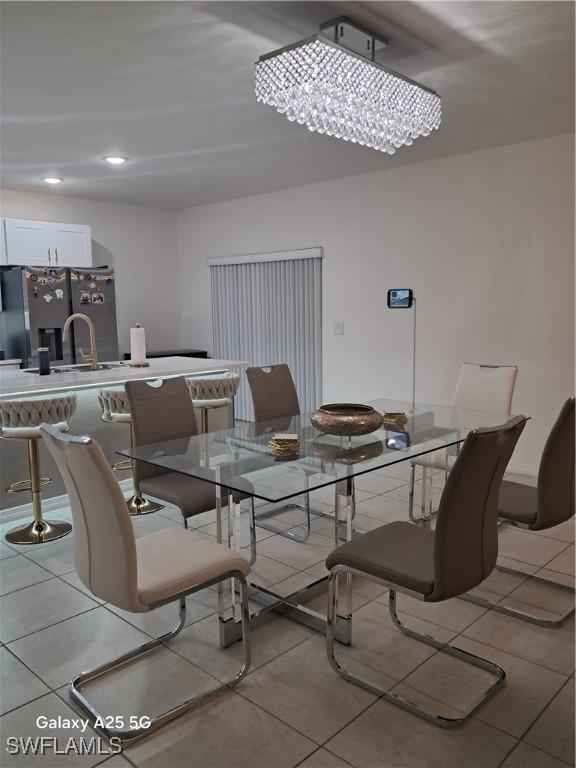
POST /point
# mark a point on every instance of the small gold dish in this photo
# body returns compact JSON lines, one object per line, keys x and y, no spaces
{"x":395,"y":418}
{"x":284,"y":446}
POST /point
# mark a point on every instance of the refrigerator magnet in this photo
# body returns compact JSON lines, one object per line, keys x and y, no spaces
{"x":97,"y":298}
{"x":85,"y":297}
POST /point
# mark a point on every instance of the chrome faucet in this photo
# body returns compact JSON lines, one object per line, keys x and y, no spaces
{"x":92,"y":358}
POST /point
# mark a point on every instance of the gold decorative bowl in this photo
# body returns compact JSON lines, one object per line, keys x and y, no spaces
{"x":346,"y":419}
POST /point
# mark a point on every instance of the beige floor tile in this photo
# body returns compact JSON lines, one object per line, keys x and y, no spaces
{"x":147,"y":687}
{"x":6,"y":551}
{"x":147,"y":524}
{"x":18,"y":572}
{"x":550,"y":648}
{"x":564,"y":563}
{"x":200,"y":644}
{"x":323,"y":759}
{"x":377,"y":484}
{"x":553,"y":732}
{"x":403,"y":494}
{"x":73,"y":579}
{"x":384,"y":509}
{"x":379,"y":645}
{"x":18,"y":684}
{"x":295,"y":554}
{"x":266,"y":571}
{"x":527,"y":690}
{"x":314,"y":700}
{"x":21,"y":723}
{"x":523,"y":546}
{"x":39,"y":606}
{"x":80,"y":643}
{"x":56,"y":556}
{"x":326,"y":495}
{"x":563,"y":532}
{"x":116,"y":761}
{"x":387,"y":736}
{"x":451,"y":614}
{"x":549,"y":597}
{"x":500,"y":583}
{"x":229,"y":731}
{"x":525,"y":756}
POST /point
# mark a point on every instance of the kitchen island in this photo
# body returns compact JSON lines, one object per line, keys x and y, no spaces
{"x":20,"y":384}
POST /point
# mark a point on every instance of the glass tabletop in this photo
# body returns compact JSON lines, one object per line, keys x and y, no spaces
{"x":241,"y":460}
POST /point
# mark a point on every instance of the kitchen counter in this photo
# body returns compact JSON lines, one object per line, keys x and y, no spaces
{"x":20,"y":383}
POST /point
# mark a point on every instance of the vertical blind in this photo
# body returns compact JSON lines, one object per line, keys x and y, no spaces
{"x":267,"y":309}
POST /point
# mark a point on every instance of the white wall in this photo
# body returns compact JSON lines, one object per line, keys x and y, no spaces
{"x":139,"y":242}
{"x":485,"y":240}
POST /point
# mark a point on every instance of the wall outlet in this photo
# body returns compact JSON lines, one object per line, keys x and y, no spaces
{"x":339,"y":328}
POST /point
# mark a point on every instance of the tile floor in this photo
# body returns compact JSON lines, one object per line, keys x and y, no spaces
{"x":292,"y":709}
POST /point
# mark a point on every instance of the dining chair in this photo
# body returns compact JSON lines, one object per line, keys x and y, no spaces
{"x":435,"y":565}
{"x":136,"y":575}
{"x":275,"y":402}
{"x":539,"y":508}
{"x":479,"y":387}
{"x":166,"y":412}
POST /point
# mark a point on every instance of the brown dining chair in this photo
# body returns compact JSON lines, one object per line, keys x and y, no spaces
{"x":435,"y":565}
{"x":275,"y":402}
{"x":166,"y":412}
{"x":136,"y":575}
{"x":538,"y":508}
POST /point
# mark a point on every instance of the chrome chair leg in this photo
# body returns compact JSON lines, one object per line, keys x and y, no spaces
{"x":531,"y":618}
{"x":131,"y":736}
{"x":259,"y":520}
{"x":395,"y":698}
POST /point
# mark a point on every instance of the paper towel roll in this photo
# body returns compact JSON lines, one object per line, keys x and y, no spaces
{"x":137,"y":346}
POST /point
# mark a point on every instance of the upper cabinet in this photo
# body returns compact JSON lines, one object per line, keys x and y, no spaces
{"x":46,"y":243}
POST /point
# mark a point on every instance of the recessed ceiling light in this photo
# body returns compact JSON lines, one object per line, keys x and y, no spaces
{"x":52,"y":179}
{"x":116,"y":160}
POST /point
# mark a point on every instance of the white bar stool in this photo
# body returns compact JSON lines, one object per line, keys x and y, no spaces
{"x":115,"y":409}
{"x":212,"y":394}
{"x":21,"y":420}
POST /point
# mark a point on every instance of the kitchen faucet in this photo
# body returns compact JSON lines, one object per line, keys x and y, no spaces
{"x":92,"y":358}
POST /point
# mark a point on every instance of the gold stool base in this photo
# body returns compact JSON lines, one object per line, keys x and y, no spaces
{"x":138,"y":505}
{"x":38,"y":532}
{"x":125,"y":465}
{"x":26,"y":485}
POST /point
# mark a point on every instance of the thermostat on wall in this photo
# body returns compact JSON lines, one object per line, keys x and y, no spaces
{"x":400,"y":298}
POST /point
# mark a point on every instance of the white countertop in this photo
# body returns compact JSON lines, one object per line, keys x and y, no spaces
{"x":13,"y":361}
{"x":19,"y":383}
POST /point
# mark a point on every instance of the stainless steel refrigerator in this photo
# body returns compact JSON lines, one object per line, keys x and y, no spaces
{"x":36,"y":302}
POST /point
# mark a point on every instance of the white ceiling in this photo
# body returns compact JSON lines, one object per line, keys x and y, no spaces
{"x":171,"y":86}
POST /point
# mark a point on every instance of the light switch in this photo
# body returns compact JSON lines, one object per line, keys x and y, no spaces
{"x":339,"y":328}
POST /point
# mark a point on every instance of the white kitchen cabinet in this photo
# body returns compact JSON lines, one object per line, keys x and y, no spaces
{"x":72,"y":245}
{"x":46,"y":243}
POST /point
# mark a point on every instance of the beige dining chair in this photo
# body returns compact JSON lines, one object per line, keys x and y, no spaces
{"x":480,"y":387}
{"x":539,"y":508}
{"x":434,"y":566}
{"x":136,"y":575}
{"x":275,"y":402}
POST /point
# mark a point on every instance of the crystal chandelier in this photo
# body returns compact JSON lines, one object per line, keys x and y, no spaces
{"x":334,"y":86}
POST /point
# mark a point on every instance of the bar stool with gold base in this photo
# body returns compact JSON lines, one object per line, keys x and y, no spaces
{"x":212,"y":394}
{"x":116,"y":410}
{"x":20,"y":420}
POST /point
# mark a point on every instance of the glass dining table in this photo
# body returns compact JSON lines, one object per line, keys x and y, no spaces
{"x":260,"y":500}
